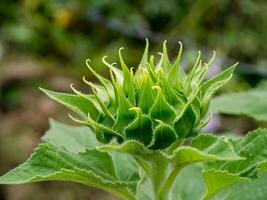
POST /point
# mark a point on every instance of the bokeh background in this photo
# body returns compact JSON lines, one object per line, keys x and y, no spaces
{"x":45,"y":43}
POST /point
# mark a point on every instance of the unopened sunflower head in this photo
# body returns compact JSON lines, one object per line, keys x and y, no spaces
{"x":156,"y":105}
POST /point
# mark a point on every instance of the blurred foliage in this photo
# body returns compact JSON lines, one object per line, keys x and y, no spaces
{"x":251,"y":103}
{"x":70,"y":30}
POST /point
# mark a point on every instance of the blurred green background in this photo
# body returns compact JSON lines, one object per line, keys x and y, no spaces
{"x":45,"y":43}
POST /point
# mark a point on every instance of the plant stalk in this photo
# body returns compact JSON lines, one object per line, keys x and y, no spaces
{"x":164,"y":191}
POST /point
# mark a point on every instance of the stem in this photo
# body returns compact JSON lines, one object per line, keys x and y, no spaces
{"x":174,"y":146}
{"x":144,"y":166}
{"x":163,"y":193}
{"x":156,"y":168}
{"x":121,"y":192}
{"x":128,"y":196}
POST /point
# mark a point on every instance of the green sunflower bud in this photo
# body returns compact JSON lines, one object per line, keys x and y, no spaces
{"x":157,"y":105}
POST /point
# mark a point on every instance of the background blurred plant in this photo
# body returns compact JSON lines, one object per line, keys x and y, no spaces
{"x":72,"y":29}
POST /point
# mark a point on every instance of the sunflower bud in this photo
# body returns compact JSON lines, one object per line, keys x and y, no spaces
{"x":156,"y":105}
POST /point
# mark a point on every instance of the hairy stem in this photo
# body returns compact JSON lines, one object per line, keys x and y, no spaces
{"x":156,"y":168}
{"x":143,"y":165}
{"x":128,"y":196}
{"x":164,"y":191}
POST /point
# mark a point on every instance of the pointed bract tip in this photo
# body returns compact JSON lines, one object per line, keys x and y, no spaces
{"x":86,"y":81}
{"x":45,"y":91}
{"x":156,"y":87}
{"x":159,"y":121}
{"x":212,"y":58}
{"x":136,"y":109}
{"x":131,"y":69}
{"x":104,"y":61}
{"x":120,"y":49}
{"x":165,"y":43}
{"x":180,"y":45}
{"x":72,"y":88}
{"x":42,"y":89}
{"x":75,"y":90}
{"x":87,"y":60}
{"x":104,"y":57}
{"x":75,"y":119}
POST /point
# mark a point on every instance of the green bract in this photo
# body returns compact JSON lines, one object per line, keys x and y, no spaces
{"x":142,"y":138}
{"x":157,"y":105}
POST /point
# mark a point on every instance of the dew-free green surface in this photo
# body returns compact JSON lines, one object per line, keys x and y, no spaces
{"x":77,"y":163}
{"x":251,"y":103}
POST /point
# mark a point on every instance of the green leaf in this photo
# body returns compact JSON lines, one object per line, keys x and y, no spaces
{"x":131,"y":146}
{"x":76,"y":103}
{"x":126,"y":169}
{"x":212,"y":85}
{"x":123,"y":161}
{"x":217,"y":181}
{"x":144,"y":189}
{"x":73,"y":139}
{"x":187,"y":155}
{"x":251,"y":103}
{"x":50,"y":162}
{"x":189,"y":184}
{"x":69,"y":154}
{"x":263,"y":167}
{"x":79,"y":139}
{"x":219,"y":146}
{"x":256,"y":189}
{"x":204,"y":148}
{"x":253,"y":148}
